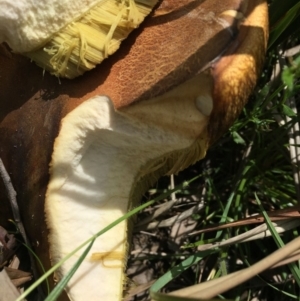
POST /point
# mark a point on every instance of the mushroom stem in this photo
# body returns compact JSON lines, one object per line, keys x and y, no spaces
{"x":102,"y":161}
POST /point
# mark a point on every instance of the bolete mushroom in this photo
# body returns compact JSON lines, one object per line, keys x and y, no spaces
{"x":152,"y":108}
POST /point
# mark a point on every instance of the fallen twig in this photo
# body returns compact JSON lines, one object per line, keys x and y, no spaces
{"x":12,"y":196}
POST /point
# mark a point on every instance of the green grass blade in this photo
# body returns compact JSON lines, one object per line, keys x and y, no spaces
{"x":40,"y":264}
{"x":61,"y":285}
{"x":104,"y":230}
{"x":283,"y":24}
{"x":172,"y":274}
{"x":293,"y":267}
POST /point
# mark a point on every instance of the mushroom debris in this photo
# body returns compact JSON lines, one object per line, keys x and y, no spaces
{"x":151,"y":109}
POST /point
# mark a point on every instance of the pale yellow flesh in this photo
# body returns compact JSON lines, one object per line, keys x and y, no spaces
{"x":98,"y":158}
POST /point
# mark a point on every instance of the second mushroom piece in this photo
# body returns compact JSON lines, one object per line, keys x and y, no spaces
{"x":151,"y":109}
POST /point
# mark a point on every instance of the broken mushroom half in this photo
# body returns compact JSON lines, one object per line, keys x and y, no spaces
{"x":152,"y":108}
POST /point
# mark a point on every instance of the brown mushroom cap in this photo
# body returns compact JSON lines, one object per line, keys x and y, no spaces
{"x":195,"y":60}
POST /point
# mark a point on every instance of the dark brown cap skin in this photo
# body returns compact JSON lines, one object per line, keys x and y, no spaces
{"x":180,"y":39}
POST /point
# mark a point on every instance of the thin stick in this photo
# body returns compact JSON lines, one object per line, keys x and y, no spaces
{"x":12,"y":196}
{"x":172,"y":184}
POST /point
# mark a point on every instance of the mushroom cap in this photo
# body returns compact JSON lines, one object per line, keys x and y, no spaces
{"x":200,"y":55}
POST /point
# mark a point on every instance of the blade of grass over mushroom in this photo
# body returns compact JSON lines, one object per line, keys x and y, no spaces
{"x":107,"y":228}
{"x":280,"y":244}
{"x":55,"y":267}
{"x":63,"y":282}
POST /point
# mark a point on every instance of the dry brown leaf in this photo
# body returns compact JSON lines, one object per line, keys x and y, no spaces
{"x":8,"y":245}
{"x":18,"y":277}
{"x":8,"y":291}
